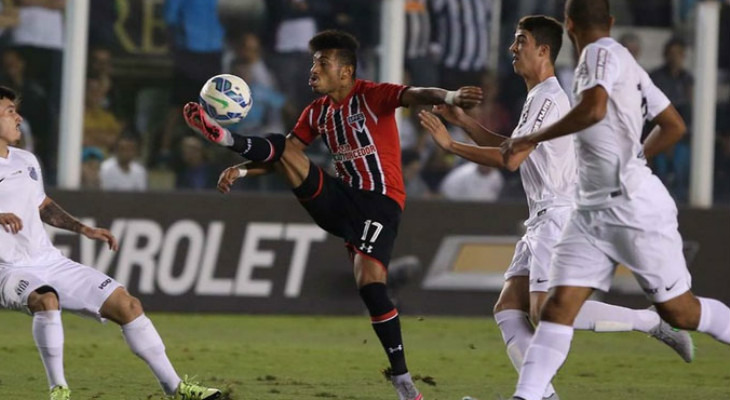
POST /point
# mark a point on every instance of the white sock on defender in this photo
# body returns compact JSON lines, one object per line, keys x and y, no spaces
{"x":145,"y":342}
{"x":48,"y":336}
{"x":517,"y":332}
{"x":548,"y":350}
{"x":602,"y":317}
{"x":714,"y":319}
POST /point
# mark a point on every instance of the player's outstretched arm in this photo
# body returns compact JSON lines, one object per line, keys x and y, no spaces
{"x":52,"y":214}
{"x":485,"y":155}
{"x":476,"y":131}
{"x":465,"y":97}
{"x":590,"y":110}
{"x":668,"y":131}
{"x":238,"y":171}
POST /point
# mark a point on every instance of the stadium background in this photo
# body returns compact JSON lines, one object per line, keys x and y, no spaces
{"x":187,"y":249}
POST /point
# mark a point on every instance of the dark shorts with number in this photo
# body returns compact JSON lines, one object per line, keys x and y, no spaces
{"x":367,"y":221}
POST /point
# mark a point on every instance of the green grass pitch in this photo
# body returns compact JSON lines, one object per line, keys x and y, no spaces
{"x":320,"y":358}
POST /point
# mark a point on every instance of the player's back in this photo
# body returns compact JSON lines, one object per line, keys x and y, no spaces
{"x":21,"y":193}
{"x":610,"y":157}
{"x":549,"y":173}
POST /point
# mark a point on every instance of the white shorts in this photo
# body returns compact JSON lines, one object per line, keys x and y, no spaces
{"x":81,"y":289}
{"x":533,"y":251}
{"x":640,"y":234}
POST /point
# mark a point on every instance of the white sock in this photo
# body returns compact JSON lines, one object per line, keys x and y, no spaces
{"x":602,"y":317}
{"x":517,"y":332}
{"x":714,"y":319}
{"x":145,"y":342}
{"x":48,"y":336}
{"x":547,"y":352}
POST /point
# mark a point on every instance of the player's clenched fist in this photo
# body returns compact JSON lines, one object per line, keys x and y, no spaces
{"x":227,"y":177}
{"x":10,"y":222}
{"x":468,"y":96}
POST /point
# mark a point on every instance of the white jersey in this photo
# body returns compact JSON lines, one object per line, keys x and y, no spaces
{"x":549,"y":173}
{"x":21,"y":193}
{"x":610,"y":157}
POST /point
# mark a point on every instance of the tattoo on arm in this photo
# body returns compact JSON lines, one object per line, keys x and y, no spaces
{"x":54,"y":215}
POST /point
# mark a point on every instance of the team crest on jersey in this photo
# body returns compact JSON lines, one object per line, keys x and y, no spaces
{"x":357,"y":121}
{"x":33,"y":174}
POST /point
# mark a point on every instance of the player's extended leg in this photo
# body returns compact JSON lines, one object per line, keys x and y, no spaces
{"x":511,"y":315}
{"x":697,"y":313}
{"x":551,"y":343}
{"x":48,"y":337}
{"x":371,"y":276}
{"x":144,"y":341}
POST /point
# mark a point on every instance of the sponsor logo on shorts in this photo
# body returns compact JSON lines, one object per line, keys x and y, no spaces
{"x":541,"y":280}
{"x":651,"y":290}
{"x":670,"y":287}
{"x":22,"y":285}
{"x":105,"y":283}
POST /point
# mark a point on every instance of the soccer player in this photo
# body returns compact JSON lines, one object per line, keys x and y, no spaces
{"x":356,"y":119}
{"x":624,"y":214}
{"x":36,"y":278}
{"x":549,"y":177}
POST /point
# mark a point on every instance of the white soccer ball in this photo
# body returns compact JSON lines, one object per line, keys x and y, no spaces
{"x":226,"y":98}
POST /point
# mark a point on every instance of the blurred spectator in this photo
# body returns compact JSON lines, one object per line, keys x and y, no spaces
{"x":39,"y":37}
{"x":414,"y":183}
{"x":34,"y":107}
{"x":91,"y":158}
{"x":491,"y":113}
{"x":100,"y":66}
{"x":355,"y":17}
{"x":197,"y":49}
{"x":122,"y":171}
{"x":472,"y":182}
{"x":676,"y":82}
{"x":266,"y":114}
{"x":8,"y":19}
{"x":463,"y":28}
{"x":420,"y":60}
{"x":196,"y":172}
{"x":652,"y":12}
{"x":246,"y":49}
{"x":101,"y":127}
{"x":294,"y":22}
{"x":632,"y":42}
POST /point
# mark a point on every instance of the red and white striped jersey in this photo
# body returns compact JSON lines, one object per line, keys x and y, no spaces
{"x":362,"y":135}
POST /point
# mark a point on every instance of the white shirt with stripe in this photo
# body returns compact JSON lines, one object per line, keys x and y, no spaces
{"x":610,"y":156}
{"x":549,"y":172}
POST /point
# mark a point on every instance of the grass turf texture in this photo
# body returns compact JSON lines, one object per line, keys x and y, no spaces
{"x":316,"y":358}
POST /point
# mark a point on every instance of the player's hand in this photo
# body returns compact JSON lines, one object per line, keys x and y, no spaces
{"x":510,"y":147}
{"x":226,"y":179}
{"x":101,"y":235}
{"x":436,"y":128}
{"x":452,"y":114}
{"x":468,"y":96}
{"x":11,"y":223}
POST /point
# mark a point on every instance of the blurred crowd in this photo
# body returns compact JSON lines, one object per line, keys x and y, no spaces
{"x":135,"y":139}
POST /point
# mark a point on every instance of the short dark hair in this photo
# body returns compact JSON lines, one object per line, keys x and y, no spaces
{"x":547,"y":31}
{"x":673,"y":41}
{"x":345,"y":44}
{"x":7,"y":93}
{"x":589,"y":14}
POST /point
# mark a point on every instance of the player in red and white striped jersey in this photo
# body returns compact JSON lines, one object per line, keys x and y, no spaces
{"x":363,"y":205}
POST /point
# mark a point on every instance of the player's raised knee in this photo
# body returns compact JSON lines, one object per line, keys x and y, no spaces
{"x":43,"y":299}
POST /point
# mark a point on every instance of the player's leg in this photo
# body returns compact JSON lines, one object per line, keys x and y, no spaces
{"x":551,"y":343}
{"x":25,"y":289}
{"x":512,"y":313}
{"x":701,"y":314}
{"x":254,"y":148}
{"x":144,"y":341}
{"x":371,"y":276}
{"x":48,"y":335}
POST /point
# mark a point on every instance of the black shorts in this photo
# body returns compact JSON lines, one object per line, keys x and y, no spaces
{"x":367,"y":221}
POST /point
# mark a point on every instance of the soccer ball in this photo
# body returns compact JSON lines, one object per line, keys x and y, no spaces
{"x":226,"y":98}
